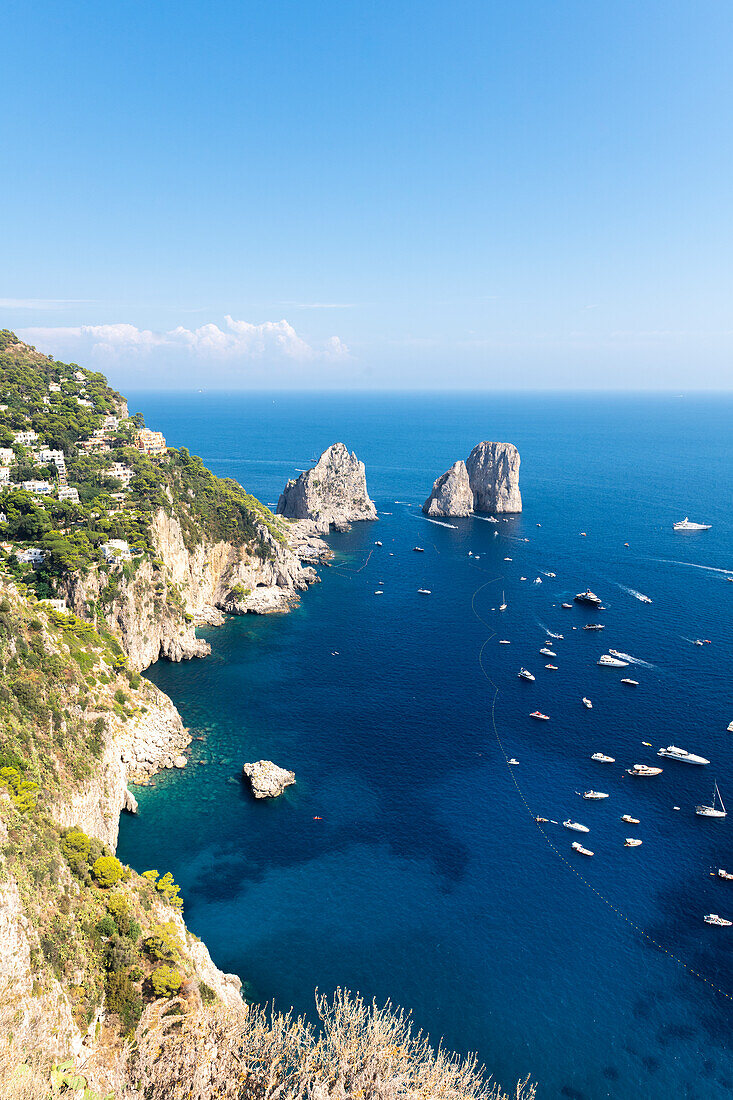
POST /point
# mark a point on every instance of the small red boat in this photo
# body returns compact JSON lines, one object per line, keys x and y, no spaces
{"x":540,"y":716}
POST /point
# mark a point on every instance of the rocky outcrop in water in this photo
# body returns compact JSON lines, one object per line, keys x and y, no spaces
{"x":267,"y":780}
{"x":331,"y":494}
{"x":488,"y":481}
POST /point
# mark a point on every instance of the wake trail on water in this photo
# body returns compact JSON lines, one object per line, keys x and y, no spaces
{"x":634,"y":593}
{"x":694,"y":565}
{"x":547,"y":629}
{"x":439,"y":522}
{"x":635,"y":660}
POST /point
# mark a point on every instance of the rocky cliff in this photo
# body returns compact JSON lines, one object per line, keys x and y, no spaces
{"x":488,"y":481}
{"x":331,"y":494}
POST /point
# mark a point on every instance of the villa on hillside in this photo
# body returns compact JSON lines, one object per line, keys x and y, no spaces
{"x":120,"y":472}
{"x":116,"y":550}
{"x":150,"y":443}
{"x":26,"y":438}
{"x":32,"y":556}
{"x":69,"y":493}
{"x":43,"y":488}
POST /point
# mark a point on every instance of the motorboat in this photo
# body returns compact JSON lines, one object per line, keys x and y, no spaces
{"x":607,"y":661}
{"x":540,"y":716}
{"x":522,"y":578}
{"x":537,"y":580}
{"x":553,"y":667}
{"x":714,"y":810}
{"x":377,"y":543}
{"x":503,"y":604}
{"x":512,"y":761}
{"x":508,"y":559}
{"x":601,"y":758}
{"x":593,"y":626}
{"x":588,"y":597}
{"x":550,"y":574}
{"x":546,"y":652}
{"x":631,"y":842}
{"x":576,"y":826}
{"x":644,"y":599}
{"x":567,"y":605}
{"x":724,"y":874}
{"x":628,"y":680}
{"x":419,"y":549}
{"x":379,"y":592}
{"x":578,"y":847}
{"x":730,"y":727}
{"x":687,"y":525}
{"x":425,"y":591}
{"x":643,"y":769}
{"x":504,"y":641}
{"x":587,"y":703}
{"x":525,"y":674}
{"x":593,"y":796}
{"x":629,"y":819}
{"x":713,"y":918}
{"x":541,"y":820}
{"x":675,"y":753}
{"x":698,"y":641}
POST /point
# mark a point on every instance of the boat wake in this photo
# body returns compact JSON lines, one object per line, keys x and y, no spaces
{"x":635,"y":660}
{"x":440,"y":523}
{"x":547,"y":630}
{"x":694,"y":565}
{"x":634,"y":593}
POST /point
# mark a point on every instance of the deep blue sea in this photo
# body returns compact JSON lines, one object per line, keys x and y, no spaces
{"x":405,"y":862}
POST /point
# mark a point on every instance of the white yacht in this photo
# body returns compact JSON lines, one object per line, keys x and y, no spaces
{"x":643,"y":769}
{"x":713,"y":918}
{"x":512,"y":761}
{"x":730,"y":727}
{"x":578,"y":847}
{"x":537,"y":580}
{"x":629,"y":819}
{"x":588,"y":597}
{"x":377,"y":543}
{"x":587,"y":703}
{"x":724,"y":874}
{"x":632,"y":842}
{"x":593,"y":796}
{"x":425,"y":591}
{"x":594,"y":626}
{"x":687,"y":525}
{"x":547,"y":652}
{"x":601,"y":758}
{"x":553,"y":667}
{"x":525,"y":674}
{"x":503,"y":604}
{"x":577,"y":828}
{"x":540,"y":716}
{"x":674,"y":753}
{"x":607,"y":661}
{"x":628,"y":680}
{"x":419,"y":549}
{"x":567,"y":605}
{"x":504,"y":641}
{"x":714,"y":810}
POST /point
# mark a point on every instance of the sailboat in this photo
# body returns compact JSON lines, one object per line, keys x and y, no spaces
{"x":503,"y":604}
{"x":712,"y":811}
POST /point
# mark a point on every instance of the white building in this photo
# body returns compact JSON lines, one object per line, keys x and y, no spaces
{"x":54,"y":387}
{"x":87,"y":404}
{"x":4,"y":475}
{"x":120,"y":472}
{"x":45,"y":455}
{"x":26,"y":438}
{"x":43,"y":488}
{"x":80,"y":376}
{"x":68,"y":493}
{"x":7,"y":456}
{"x":57,"y":605}
{"x":34,"y":556}
{"x":116,"y":550}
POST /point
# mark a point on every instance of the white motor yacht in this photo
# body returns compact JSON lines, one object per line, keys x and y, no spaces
{"x":713,"y":918}
{"x":601,"y":758}
{"x":512,"y":761}
{"x":594,"y":626}
{"x":588,"y":597}
{"x":715,"y":810}
{"x":643,"y":769}
{"x":606,"y":661}
{"x":419,"y":549}
{"x":593,"y":796}
{"x":575,"y":826}
{"x":631,"y":842}
{"x":730,"y":727}
{"x":503,"y":604}
{"x":546,"y":652}
{"x":724,"y":874}
{"x":675,"y":753}
{"x":587,"y":703}
{"x":629,"y":819}
{"x":628,"y":680}
{"x":687,"y":525}
{"x":567,"y":605}
{"x":525,"y":674}
{"x":425,"y":591}
{"x":578,"y":847}
{"x":537,"y":580}
{"x":540,"y":716}
{"x":504,"y":641}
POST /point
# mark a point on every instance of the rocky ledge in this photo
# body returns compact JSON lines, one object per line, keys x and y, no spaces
{"x":267,"y":780}
{"x":331,"y":494}
{"x":488,"y":481}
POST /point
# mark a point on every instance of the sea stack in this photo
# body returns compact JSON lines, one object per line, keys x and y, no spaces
{"x":331,"y":494}
{"x":488,"y":481}
{"x":266,"y":779}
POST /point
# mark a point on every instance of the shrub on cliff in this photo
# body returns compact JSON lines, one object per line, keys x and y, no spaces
{"x":165,"y":981}
{"x":107,"y":870}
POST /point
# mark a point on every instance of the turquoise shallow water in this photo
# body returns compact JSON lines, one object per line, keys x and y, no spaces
{"x":427,"y":880}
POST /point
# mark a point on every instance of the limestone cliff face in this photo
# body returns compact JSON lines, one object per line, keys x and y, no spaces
{"x":451,"y":495}
{"x":156,"y":609}
{"x":332,"y":494}
{"x":487,"y":482}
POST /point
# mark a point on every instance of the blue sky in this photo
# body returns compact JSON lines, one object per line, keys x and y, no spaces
{"x":465,"y":194}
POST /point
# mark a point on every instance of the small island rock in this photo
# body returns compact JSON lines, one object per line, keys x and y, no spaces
{"x":266,"y":779}
{"x":488,"y":481}
{"x":332,"y":494}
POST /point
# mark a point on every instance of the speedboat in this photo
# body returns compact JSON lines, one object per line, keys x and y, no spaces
{"x":522,"y":578}
{"x":601,"y":758}
{"x":644,"y":599}
{"x":730,"y":727}
{"x":714,"y":810}
{"x":512,"y":761}
{"x":629,"y":819}
{"x":537,"y":580}
{"x":713,"y":918}
{"x":675,"y":753}
{"x":627,"y":680}
{"x":379,"y":592}
{"x":553,"y":667}
{"x":503,"y":604}
{"x":643,"y":769}
{"x":698,"y":641}
{"x":425,"y":591}
{"x":550,"y":574}
{"x":525,"y":674}
{"x":594,"y":626}
{"x":578,"y":847}
{"x":504,"y":641}
{"x":724,"y":874}
{"x":575,"y":826}
{"x":607,"y":661}
{"x":687,"y":525}
{"x":377,"y":543}
{"x":631,"y":842}
{"x":588,"y":597}
{"x":593,"y":796}
{"x":507,"y":559}
{"x":540,"y":716}
{"x":587,"y":703}
{"x":419,"y":549}
{"x":567,"y":605}
{"x":547,"y":652}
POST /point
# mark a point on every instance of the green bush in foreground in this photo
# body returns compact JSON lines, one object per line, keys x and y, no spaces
{"x":165,"y":981}
{"x":107,"y":870}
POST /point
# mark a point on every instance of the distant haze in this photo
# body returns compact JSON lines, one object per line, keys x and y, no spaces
{"x":413,"y":195}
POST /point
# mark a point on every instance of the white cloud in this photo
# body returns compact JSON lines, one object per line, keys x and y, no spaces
{"x":237,"y":340}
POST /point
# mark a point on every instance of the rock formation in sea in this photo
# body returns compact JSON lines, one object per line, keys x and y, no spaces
{"x":488,"y":481}
{"x":266,"y":779}
{"x":331,"y":494}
